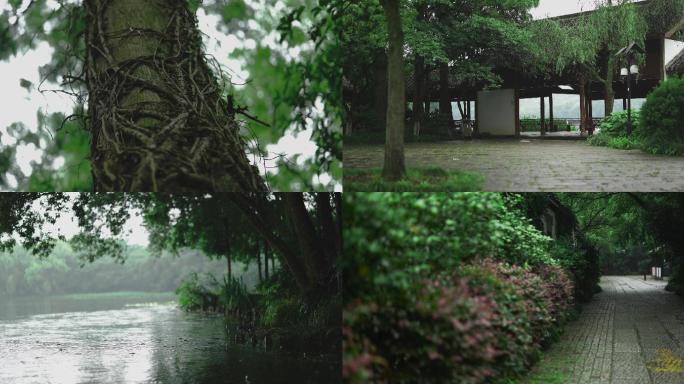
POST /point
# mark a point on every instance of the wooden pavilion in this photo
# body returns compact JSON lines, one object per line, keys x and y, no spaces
{"x":664,"y":55}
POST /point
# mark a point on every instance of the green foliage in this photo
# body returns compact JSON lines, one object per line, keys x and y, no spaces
{"x":613,"y":132}
{"x":479,"y":323}
{"x":534,"y":125}
{"x":392,"y":237}
{"x":418,"y":180}
{"x":661,"y":125}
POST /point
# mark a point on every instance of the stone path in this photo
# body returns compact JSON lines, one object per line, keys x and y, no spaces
{"x":529,"y":165}
{"x":631,"y":333}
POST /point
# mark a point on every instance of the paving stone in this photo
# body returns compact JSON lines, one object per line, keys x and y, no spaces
{"x":539,"y":165}
{"x":632,"y":332}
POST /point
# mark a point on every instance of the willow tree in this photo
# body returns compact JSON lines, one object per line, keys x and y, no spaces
{"x":614,"y":25}
{"x":157,"y":118}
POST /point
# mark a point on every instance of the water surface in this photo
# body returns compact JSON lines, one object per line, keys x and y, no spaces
{"x":136,"y":338}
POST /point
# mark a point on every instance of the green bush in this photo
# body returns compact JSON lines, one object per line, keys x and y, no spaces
{"x":616,"y":124}
{"x":484,"y":322}
{"x":389,"y":237}
{"x":198,"y":293}
{"x":528,"y":124}
{"x":661,"y":126}
{"x":613,"y":132}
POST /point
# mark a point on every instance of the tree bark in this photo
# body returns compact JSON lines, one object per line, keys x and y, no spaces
{"x":328,"y":228}
{"x":394,"y":167}
{"x":542,"y":113}
{"x":259,"y":220}
{"x":230,"y":266}
{"x":266,"y":261}
{"x":310,"y":246}
{"x":258,"y":257}
{"x":552,"y":123}
{"x":157,"y":118}
{"x":608,"y":92}
{"x":583,"y":106}
{"x":444,"y":94}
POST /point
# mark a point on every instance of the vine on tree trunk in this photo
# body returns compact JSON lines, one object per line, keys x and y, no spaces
{"x":157,"y":118}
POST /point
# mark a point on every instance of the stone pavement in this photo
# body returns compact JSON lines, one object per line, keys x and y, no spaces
{"x":529,"y":165}
{"x":631,"y":333}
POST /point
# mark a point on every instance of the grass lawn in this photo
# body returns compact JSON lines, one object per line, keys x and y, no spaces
{"x":416,"y":180}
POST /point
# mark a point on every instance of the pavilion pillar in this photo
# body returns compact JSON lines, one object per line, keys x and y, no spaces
{"x":517,"y":112}
{"x":542,"y":113}
{"x":552,"y":125}
{"x":476,"y":129}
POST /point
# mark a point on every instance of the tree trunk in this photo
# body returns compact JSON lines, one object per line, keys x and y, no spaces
{"x":444,"y":94}
{"x":394,"y":167}
{"x":310,"y":245}
{"x":583,"y":106}
{"x":230,"y":267}
{"x":329,"y":232}
{"x":551,"y":122}
{"x":258,"y":257}
{"x":266,"y":261}
{"x":418,"y":94}
{"x":608,"y":92}
{"x":157,"y":118}
{"x":542,"y":113}
{"x":259,"y":220}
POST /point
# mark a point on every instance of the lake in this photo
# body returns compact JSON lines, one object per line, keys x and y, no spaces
{"x":136,"y":338}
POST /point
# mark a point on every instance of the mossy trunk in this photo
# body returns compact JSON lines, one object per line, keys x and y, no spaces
{"x":394,"y":167}
{"x":157,"y":118}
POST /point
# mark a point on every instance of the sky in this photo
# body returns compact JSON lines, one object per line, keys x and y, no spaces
{"x":24,"y":104}
{"x":67,"y":225}
{"x":551,"y":8}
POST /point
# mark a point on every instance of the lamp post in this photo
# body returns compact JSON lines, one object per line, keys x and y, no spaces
{"x":631,"y":69}
{"x":626,"y":74}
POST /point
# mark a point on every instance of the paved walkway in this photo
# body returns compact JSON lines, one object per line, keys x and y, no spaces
{"x":523,"y":165}
{"x":631,"y":333}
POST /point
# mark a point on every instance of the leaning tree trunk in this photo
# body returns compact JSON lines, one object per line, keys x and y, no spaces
{"x":157,"y":119}
{"x":394,"y":167}
{"x":310,"y":245}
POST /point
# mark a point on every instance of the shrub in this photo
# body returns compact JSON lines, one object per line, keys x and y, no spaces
{"x":616,"y":124}
{"x":198,"y":293}
{"x":485,"y":322}
{"x":398,"y":235}
{"x":661,"y":125}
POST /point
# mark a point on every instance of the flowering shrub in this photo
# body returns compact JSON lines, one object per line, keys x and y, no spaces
{"x":486,"y":321}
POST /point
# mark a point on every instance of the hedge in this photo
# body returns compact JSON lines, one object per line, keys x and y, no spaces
{"x":486,"y":321}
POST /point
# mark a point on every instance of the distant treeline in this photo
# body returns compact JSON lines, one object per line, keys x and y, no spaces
{"x":21,"y":273}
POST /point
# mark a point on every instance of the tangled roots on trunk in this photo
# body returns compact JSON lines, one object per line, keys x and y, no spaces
{"x":157,"y":118}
